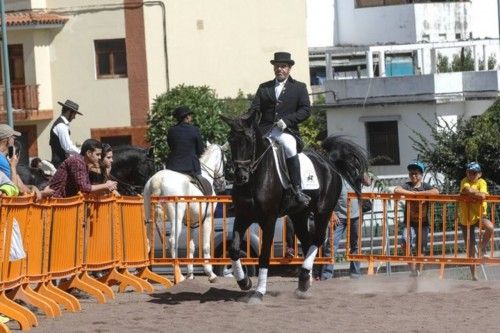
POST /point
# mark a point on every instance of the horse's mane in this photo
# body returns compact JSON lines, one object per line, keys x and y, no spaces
{"x":208,"y":151}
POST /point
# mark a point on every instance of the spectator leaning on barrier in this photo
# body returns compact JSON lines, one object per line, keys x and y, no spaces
{"x":473,"y":209}
{"x":417,"y":186}
{"x":72,"y":176}
{"x":339,"y":217}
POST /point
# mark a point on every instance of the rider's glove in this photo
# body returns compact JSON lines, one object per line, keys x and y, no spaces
{"x":281,"y":124}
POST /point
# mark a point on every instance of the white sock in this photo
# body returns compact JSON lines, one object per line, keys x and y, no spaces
{"x":262,"y":282}
{"x":311,"y":254}
{"x":238,"y":270}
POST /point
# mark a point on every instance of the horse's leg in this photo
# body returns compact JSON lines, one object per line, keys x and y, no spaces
{"x":310,"y":248}
{"x":175,"y":214}
{"x":267,"y":240}
{"x":207,"y":240}
{"x":239,"y":228}
{"x":190,"y":268}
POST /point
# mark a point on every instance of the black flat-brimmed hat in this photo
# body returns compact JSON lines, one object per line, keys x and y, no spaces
{"x":283,"y":57}
{"x":69,"y":104}
{"x":181,"y":112}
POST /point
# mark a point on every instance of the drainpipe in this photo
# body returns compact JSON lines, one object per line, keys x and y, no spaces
{"x":6,"y":71}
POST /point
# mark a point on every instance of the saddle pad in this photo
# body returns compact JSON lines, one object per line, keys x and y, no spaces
{"x":308,"y":176}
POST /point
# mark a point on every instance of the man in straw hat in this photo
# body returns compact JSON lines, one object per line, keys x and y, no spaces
{"x":60,"y":142}
{"x":283,"y":103}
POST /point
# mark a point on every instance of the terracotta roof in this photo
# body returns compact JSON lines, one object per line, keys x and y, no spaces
{"x":24,"y":18}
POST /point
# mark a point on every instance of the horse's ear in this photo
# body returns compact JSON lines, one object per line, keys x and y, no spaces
{"x":225,"y":146}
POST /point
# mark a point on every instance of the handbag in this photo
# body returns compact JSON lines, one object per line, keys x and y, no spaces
{"x":16,"y":243}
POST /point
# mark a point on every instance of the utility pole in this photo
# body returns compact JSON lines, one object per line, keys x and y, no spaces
{"x":5,"y":67}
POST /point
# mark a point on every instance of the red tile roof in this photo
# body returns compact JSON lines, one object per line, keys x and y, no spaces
{"x":24,"y":18}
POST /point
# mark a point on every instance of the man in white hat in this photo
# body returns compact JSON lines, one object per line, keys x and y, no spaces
{"x":60,"y":141}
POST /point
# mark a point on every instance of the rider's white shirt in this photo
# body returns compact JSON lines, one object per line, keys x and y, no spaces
{"x":62,"y":132}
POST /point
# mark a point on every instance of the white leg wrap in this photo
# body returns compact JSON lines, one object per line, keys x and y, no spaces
{"x":311,"y":254}
{"x":262,"y":282}
{"x":238,"y":270}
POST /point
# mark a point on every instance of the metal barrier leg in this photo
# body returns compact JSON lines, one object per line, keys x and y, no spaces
{"x":50,"y":302}
{"x":441,"y":272}
{"x":370,"y":267}
{"x":118,"y":277}
{"x":178,"y":278}
{"x":145,"y":273}
{"x":4,"y":328}
{"x":25,"y":294}
{"x":11,"y":309}
{"x":69,"y":302}
{"x":81,"y":282}
{"x":128,"y":279}
{"x":104,"y":289}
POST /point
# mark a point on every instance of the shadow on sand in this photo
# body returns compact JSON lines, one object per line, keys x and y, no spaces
{"x":211,"y":295}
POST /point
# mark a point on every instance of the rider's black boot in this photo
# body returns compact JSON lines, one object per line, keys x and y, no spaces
{"x":293,"y":165}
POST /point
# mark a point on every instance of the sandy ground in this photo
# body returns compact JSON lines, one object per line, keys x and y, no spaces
{"x":370,"y":304}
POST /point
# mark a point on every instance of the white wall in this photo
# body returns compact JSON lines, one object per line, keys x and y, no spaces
{"x":373,"y":25}
{"x":320,"y":23}
{"x":348,"y":121}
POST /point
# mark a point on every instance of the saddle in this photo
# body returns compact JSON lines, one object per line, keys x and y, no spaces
{"x":201,"y":183}
{"x":308,"y":175}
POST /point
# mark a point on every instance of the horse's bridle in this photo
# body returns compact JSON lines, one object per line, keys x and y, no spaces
{"x":251,"y":165}
{"x":221,"y":168}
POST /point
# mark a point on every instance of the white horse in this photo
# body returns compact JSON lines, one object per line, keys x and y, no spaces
{"x":171,"y":183}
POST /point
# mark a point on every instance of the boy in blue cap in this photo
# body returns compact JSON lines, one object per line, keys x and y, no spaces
{"x":473,"y":209}
{"x":416,"y":185}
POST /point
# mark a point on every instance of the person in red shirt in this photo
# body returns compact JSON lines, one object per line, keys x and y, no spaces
{"x":72,"y":176}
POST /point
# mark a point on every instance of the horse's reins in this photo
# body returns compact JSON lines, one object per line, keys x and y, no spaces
{"x":254,"y":163}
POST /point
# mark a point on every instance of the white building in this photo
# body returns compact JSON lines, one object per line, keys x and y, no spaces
{"x":114,"y":57}
{"x":380,"y":75}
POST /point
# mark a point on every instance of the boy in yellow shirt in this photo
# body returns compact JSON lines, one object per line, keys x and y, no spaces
{"x":474,"y":188}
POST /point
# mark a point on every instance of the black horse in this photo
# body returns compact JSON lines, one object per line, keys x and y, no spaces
{"x":32,"y":176}
{"x":258,"y":196}
{"x":132,"y":167}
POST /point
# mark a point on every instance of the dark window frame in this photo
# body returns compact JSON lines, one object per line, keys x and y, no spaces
{"x":383,"y":142}
{"x":110,"y":49}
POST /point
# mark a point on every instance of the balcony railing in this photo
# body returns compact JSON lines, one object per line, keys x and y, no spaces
{"x":24,"y":97}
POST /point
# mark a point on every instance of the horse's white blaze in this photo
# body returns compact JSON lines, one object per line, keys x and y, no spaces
{"x":309,"y":260}
{"x":238,"y":270}
{"x":171,"y":183}
{"x":262,"y":281}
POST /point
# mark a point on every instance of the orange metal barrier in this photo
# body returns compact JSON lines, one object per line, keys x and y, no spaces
{"x":159,"y":230}
{"x":133,"y":244}
{"x":445,"y":239}
{"x":13,"y":272}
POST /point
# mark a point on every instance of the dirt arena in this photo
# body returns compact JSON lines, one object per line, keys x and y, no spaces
{"x":371,"y":304}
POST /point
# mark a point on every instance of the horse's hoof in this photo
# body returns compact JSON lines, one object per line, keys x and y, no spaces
{"x":212,"y":279}
{"x":304,"y":280}
{"x":253,"y":297}
{"x":245,"y":283}
{"x":302,"y":294}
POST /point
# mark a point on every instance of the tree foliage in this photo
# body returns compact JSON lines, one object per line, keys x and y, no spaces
{"x":462,"y":62}
{"x":452,"y":146}
{"x":201,"y":100}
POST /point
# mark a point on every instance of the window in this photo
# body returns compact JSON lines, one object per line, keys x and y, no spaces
{"x":111,"y":58}
{"x":383,"y":143}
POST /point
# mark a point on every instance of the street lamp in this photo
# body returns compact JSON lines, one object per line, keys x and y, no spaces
{"x":5,"y":67}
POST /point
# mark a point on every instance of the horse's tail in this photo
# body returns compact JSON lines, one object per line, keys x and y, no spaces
{"x":147,"y":192}
{"x":347,"y":158}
